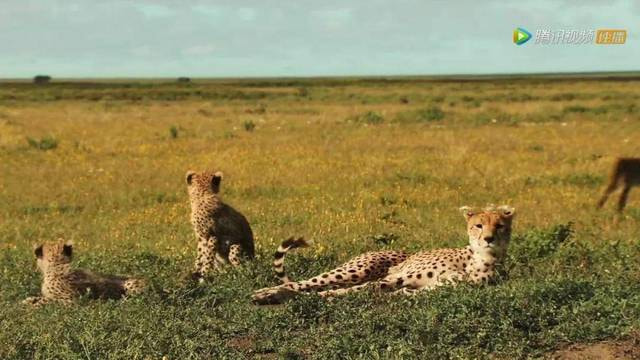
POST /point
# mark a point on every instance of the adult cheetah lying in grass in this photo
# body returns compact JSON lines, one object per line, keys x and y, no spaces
{"x":224,"y":235}
{"x":62,"y":284}
{"x":489,"y":233}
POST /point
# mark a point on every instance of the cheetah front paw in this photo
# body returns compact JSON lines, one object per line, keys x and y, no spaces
{"x":32,"y":301}
{"x":273,"y":295}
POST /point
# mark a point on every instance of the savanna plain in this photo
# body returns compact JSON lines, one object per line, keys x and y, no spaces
{"x":352,"y":164}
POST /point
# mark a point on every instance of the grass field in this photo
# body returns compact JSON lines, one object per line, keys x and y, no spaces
{"x":354,"y":165}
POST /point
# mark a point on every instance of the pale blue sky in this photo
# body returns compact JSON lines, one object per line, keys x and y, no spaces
{"x":164,"y":38}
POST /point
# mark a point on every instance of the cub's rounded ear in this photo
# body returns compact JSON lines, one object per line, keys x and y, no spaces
{"x":189,"y":176}
{"x":215,"y":181}
{"x":38,"y":251}
{"x":467,"y":212}
{"x":506,"y":211}
{"x":67,"y":248}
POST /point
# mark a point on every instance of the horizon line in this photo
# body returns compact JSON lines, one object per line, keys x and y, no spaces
{"x":240,"y":77}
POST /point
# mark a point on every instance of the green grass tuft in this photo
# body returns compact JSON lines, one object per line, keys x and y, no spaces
{"x":45,"y":143}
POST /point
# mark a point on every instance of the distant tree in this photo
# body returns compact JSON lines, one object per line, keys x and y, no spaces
{"x":184,"y":79}
{"x":41,"y":79}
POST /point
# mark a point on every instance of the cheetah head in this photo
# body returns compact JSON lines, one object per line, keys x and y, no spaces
{"x":489,"y":229}
{"x":50,"y":256}
{"x":203,"y":183}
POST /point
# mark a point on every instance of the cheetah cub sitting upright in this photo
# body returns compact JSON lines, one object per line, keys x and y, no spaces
{"x":63,"y":284}
{"x":489,"y":233}
{"x":224,"y":235}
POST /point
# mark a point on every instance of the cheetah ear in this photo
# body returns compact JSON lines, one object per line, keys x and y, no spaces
{"x":506,"y":211}
{"x":215,"y":181}
{"x":67,"y":248}
{"x":37,"y":250}
{"x":467,"y":212}
{"x":189,"y":176}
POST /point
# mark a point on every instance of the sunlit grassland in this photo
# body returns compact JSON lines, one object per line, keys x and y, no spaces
{"x":352,"y":165}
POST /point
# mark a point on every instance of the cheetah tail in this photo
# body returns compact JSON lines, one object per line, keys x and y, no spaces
{"x":278,"y":261}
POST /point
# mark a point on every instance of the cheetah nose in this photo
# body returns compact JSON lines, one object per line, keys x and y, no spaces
{"x":488,"y":239}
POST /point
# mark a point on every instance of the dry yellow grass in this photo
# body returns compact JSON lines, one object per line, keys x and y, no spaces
{"x":307,"y":170}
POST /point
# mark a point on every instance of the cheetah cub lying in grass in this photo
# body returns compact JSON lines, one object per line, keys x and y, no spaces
{"x":224,"y":235}
{"x":63,"y":284}
{"x":489,"y":233}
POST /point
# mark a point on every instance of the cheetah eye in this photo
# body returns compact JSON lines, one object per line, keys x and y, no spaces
{"x":479,"y":226}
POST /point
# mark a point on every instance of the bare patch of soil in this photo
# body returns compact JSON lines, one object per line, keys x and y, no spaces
{"x":605,"y":350}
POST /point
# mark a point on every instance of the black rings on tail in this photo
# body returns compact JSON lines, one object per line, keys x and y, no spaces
{"x":278,"y":258}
